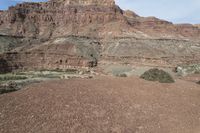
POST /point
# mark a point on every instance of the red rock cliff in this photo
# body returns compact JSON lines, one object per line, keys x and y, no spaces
{"x":57,"y":18}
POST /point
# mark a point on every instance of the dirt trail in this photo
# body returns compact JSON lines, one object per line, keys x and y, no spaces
{"x":103,"y":105}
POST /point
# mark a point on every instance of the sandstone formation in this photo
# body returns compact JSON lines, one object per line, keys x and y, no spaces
{"x":86,"y":2}
{"x":98,"y":30}
{"x":198,"y":25}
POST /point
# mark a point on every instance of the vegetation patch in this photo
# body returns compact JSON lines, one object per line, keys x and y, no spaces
{"x":70,"y":71}
{"x":157,"y":75}
{"x":122,"y":75}
{"x":190,"y":69}
{"x":7,"y":90}
{"x":15,"y":81}
{"x":12,"y":86}
{"x":9,"y":87}
{"x":8,"y":77}
{"x":198,"y":82}
{"x":118,"y":70}
{"x":50,"y":76}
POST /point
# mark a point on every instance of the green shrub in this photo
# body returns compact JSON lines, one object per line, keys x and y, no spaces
{"x":157,"y":75}
{"x":71,"y":71}
{"x":10,"y":87}
{"x":50,"y":76}
{"x":21,"y":73}
{"x":197,"y":72}
{"x":188,"y":69}
{"x":60,"y":70}
{"x":12,"y":77}
{"x":2,"y":91}
{"x":121,"y":75}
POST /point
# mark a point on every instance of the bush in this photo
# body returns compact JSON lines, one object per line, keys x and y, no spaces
{"x":188,"y":69}
{"x":7,"y":90}
{"x":10,"y":87}
{"x":197,"y":72}
{"x":50,"y":76}
{"x":198,"y":82}
{"x":157,"y":75}
{"x":122,"y":75}
{"x":70,"y":71}
{"x":12,"y":77}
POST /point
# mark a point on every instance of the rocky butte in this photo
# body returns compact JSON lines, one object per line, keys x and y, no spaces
{"x":87,"y":33}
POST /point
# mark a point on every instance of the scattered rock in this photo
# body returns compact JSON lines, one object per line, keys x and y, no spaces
{"x":188,"y":69}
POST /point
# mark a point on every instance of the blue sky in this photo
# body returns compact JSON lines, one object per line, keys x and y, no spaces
{"x":177,"y":11}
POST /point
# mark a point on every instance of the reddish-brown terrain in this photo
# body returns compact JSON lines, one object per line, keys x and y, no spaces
{"x":91,"y":31}
{"x":102,"y":105}
{"x":99,"y":36}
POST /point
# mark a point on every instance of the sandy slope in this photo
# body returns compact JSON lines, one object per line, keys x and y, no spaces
{"x":103,"y":105}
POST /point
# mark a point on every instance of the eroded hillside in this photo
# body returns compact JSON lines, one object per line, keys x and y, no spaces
{"x":92,"y":31}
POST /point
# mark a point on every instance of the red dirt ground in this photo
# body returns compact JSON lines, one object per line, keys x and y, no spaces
{"x":102,"y":105}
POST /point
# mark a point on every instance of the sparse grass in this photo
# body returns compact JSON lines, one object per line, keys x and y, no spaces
{"x":51,"y":76}
{"x":44,"y":73}
{"x":10,"y":87}
{"x":157,"y":75}
{"x":122,"y":75}
{"x":189,"y":69}
{"x":8,"y":77}
{"x":197,"y":72}
{"x":24,"y":78}
{"x":22,"y":73}
{"x":70,"y":71}
{"x":5,"y":90}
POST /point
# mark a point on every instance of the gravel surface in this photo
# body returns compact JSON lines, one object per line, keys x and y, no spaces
{"x":102,"y":105}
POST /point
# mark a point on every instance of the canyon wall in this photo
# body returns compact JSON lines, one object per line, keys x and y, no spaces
{"x":41,"y":61}
{"x":62,"y":33}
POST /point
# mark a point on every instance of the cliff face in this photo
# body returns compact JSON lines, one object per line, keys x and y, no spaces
{"x":86,"y":2}
{"x":57,"y":18}
{"x":97,"y":29}
{"x":85,"y":18}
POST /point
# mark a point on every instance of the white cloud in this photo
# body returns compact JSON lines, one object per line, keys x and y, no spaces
{"x":173,"y":10}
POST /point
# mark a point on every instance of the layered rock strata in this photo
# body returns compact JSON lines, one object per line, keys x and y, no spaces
{"x":95,"y":30}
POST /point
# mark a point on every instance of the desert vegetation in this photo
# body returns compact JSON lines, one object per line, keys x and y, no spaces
{"x":8,"y":77}
{"x":9,"y":87}
{"x":90,"y":38}
{"x":15,"y":81}
{"x":157,"y":75}
{"x":188,"y":69}
{"x":122,"y":75}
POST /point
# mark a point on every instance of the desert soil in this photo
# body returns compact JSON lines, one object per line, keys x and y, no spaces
{"x":102,"y":105}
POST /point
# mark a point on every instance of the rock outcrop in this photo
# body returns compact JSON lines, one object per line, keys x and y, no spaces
{"x":59,"y":53}
{"x":84,"y":17}
{"x":100,"y":30}
{"x":57,"y":18}
{"x":198,"y":25}
{"x":86,"y":2}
